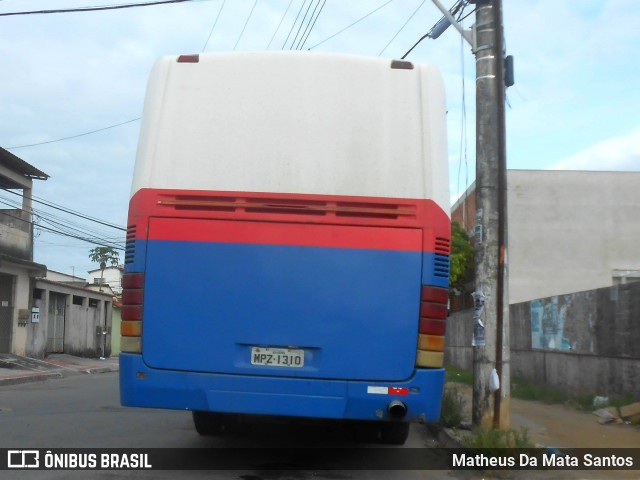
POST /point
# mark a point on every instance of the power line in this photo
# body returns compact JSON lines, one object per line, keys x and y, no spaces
{"x":77,"y":237}
{"x":313,"y":25}
{"x":402,"y":28}
{"x":294,"y":23}
{"x":69,"y":211}
{"x":279,"y":24}
{"x":246,"y":23}
{"x":80,"y":235}
{"x":453,"y":10}
{"x":349,"y":26}
{"x":214,"y":25}
{"x":74,"y":136}
{"x":301,"y":23}
{"x":94,"y":9}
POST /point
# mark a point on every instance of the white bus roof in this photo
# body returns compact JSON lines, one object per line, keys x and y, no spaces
{"x":294,"y":122}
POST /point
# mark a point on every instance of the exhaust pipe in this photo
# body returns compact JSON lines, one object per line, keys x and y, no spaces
{"x":397,"y":410}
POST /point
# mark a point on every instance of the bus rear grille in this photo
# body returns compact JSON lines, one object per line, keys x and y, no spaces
{"x":130,"y":246}
{"x":289,"y":206}
{"x":443,"y":245}
{"x":441,"y":266}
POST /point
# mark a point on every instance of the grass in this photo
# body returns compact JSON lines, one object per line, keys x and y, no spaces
{"x":455,"y":374}
{"x":452,"y":412}
{"x":526,"y":390}
{"x":489,"y":439}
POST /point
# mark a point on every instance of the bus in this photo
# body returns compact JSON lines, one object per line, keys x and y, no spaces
{"x":288,"y":241}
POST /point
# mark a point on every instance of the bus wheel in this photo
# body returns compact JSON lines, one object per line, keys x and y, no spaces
{"x":394,"y":433}
{"x":208,"y":423}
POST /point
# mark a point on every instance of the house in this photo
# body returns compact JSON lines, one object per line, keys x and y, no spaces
{"x":568,"y":231}
{"x":18,"y":271}
{"x":41,"y":312}
{"x":71,"y":320}
{"x":111,"y":277}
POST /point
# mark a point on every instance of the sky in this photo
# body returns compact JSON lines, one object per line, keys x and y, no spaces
{"x":574,"y":105}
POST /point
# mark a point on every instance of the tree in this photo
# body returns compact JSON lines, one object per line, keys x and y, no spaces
{"x":462,"y":254}
{"x":102,"y":256}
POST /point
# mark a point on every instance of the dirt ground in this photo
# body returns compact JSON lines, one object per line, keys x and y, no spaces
{"x":562,"y":426}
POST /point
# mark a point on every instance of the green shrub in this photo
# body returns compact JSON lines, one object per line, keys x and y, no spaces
{"x":452,"y":412}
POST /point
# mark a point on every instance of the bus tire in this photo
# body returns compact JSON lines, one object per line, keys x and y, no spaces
{"x":394,"y":433}
{"x":208,"y":423}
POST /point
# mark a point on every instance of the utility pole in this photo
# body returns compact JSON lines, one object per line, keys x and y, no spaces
{"x":491,"y":345}
{"x":491,"y":407}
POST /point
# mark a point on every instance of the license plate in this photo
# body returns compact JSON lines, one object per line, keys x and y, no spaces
{"x":277,"y":357}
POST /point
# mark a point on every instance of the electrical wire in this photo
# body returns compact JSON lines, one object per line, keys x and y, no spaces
{"x":73,"y":233}
{"x":294,"y":22}
{"x":351,"y":25}
{"x":313,"y":24}
{"x":453,"y":10}
{"x":301,"y":23}
{"x":62,"y":222}
{"x":246,"y":23}
{"x":279,"y":24}
{"x":94,"y":9}
{"x":77,"y":237}
{"x":74,"y":136}
{"x":402,"y":27}
{"x":68,"y":210}
{"x":214,"y":26}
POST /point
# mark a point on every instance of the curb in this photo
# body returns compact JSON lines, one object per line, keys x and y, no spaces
{"x":29,"y":378}
{"x":94,"y":370}
{"x":445,"y":437}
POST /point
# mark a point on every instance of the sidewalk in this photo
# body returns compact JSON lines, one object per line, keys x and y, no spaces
{"x":561,"y":426}
{"x":15,"y":369}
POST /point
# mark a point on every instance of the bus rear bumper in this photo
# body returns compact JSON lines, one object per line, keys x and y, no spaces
{"x":141,"y":386}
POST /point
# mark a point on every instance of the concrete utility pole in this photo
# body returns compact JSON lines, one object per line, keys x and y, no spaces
{"x":491,"y":408}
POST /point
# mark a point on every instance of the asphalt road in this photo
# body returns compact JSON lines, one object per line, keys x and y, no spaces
{"x":84,"y":412}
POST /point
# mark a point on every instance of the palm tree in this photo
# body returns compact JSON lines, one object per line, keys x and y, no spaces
{"x":102,"y":256}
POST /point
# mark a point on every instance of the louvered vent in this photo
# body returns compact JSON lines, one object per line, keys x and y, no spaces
{"x":441,"y":266}
{"x":289,"y":206}
{"x":443,"y":245}
{"x":130,"y":248}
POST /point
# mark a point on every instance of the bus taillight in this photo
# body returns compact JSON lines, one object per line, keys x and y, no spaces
{"x":132,"y":301}
{"x":433,"y":314}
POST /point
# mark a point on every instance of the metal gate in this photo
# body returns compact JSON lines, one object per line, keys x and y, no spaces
{"x":6,"y":312}
{"x":55,"y":329}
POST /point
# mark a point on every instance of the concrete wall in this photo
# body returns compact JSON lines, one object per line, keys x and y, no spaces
{"x":116,"y":322}
{"x":580,"y":343}
{"x":569,"y":231}
{"x":90,"y":313}
{"x":15,"y":234}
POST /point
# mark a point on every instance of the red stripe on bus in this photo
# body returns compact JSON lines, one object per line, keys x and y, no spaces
{"x":292,"y":234}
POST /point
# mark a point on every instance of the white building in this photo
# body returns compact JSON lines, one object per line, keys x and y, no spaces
{"x":111,"y":276}
{"x":17,"y":268}
{"x":568,"y":231}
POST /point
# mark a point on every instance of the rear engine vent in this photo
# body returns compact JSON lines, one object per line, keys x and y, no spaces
{"x":130,"y":246}
{"x":443,"y":245}
{"x":288,"y":206}
{"x":441,"y":266}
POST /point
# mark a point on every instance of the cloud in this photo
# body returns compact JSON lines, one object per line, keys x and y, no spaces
{"x":620,"y":153}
